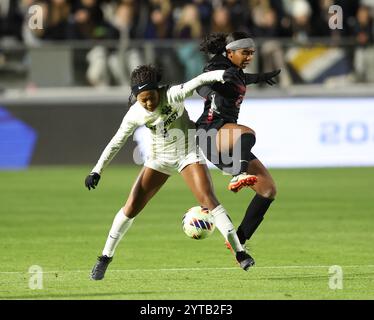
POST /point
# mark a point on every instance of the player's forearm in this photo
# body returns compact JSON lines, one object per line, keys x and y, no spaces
{"x":204,"y":78}
{"x":261,"y":77}
{"x":251,"y":78}
{"x":110,"y":151}
{"x":180,"y":92}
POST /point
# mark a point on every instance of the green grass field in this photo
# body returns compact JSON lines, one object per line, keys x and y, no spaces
{"x":321,"y":218}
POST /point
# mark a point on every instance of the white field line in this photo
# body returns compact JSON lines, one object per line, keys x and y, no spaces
{"x":191,"y":269}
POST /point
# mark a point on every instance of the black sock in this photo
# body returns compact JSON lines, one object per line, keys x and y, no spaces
{"x":253,"y":217}
{"x":247,"y":141}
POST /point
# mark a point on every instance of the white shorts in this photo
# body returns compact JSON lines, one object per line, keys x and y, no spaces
{"x":170,"y":165}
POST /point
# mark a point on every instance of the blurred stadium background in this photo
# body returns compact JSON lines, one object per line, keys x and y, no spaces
{"x":74,"y":72}
{"x":63,"y":93}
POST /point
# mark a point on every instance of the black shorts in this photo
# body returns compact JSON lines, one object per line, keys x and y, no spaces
{"x":217,"y":124}
{"x":208,"y":145}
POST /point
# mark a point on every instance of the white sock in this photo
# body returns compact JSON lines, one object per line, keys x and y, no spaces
{"x":120,"y":225}
{"x":225,"y":226}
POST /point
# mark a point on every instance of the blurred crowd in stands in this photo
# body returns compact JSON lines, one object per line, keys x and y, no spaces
{"x":182,"y":19}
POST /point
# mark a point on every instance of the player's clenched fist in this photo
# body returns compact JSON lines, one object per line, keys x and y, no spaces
{"x":92,"y":180}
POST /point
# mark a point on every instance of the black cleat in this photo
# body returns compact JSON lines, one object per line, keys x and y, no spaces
{"x":245,"y":260}
{"x":100,"y":267}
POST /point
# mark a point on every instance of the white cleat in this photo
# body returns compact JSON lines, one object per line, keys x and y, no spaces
{"x":240,"y":181}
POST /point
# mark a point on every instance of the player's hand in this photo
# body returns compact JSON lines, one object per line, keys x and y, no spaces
{"x":92,"y":180}
{"x":268,"y":77}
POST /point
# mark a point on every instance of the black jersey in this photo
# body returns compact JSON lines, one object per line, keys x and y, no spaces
{"x":222,"y":100}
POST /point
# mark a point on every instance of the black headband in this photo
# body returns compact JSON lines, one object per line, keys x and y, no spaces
{"x":144,"y":87}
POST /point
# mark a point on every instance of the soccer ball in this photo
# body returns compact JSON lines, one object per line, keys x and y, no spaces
{"x":198,"y":223}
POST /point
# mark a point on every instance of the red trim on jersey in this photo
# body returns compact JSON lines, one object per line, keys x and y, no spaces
{"x":210,"y":115}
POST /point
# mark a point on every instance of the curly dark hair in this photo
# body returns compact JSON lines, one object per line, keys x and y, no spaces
{"x":216,"y":42}
{"x":145,"y":73}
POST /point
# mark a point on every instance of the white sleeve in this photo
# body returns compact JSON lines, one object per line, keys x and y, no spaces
{"x":179,"y":92}
{"x":126,"y":129}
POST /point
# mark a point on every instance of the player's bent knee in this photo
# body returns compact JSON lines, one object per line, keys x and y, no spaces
{"x":267,"y":190}
{"x":270,"y":192}
{"x":247,"y":130}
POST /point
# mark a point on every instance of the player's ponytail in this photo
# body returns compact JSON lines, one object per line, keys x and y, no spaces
{"x":216,"y":43}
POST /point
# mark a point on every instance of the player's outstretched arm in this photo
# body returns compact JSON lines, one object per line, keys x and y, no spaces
{"x":128,"y":126}
{"x":232,"y":79}
{"x":261,"y":77}
{"x":180,"y":92}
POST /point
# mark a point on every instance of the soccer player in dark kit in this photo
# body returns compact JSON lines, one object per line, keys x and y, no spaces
{"x":233,"y":52}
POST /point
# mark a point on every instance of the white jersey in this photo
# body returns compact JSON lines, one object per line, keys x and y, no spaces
{"x":168,"y":123}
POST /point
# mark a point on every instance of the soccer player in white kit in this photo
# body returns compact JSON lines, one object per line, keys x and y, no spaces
{"x":161,"y":109}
